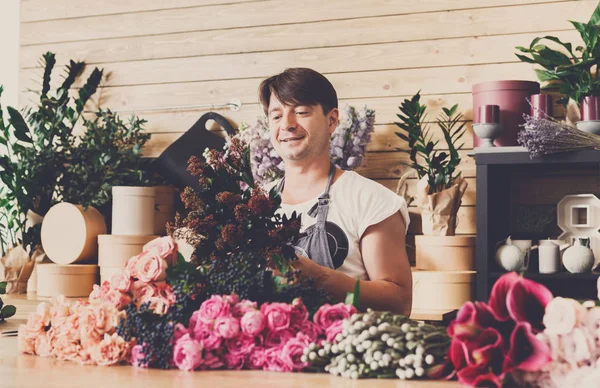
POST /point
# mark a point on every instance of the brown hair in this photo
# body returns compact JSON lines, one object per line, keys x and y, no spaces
{"x":299,"y":86}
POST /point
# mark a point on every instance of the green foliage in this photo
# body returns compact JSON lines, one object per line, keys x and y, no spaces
{"x":438,"y":166}
{"x":109,"y":154}
{"x":42,"y":160}
{"x":353,"y":298}
{"x":8,"y":310}
{"x":570,"y":74}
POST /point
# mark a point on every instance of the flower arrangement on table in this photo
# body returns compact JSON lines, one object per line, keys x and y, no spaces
{"x":347,"y":147}
{"x":525,"y":337}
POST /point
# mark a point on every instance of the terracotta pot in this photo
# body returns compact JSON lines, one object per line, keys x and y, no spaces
{"x":70,"y":233}
{"x":445,"y":253}
{"x":114,"y":251}
{"x":442,"y":290}
{"x":133,"y":210}
{"x":512,"y":97}
{"x":164,"y":206}
{"x":69,"y":280}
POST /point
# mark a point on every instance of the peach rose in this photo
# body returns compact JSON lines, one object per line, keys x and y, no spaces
{"x":131,"y":265}
{"x":117,"y":299}
{"x":121,"y":281}
{"x":163,"y":247}
{"x":159,"y":305}
{"x":110,"y":351}
{"x":143,"y":291}
{"x":150,"y":268}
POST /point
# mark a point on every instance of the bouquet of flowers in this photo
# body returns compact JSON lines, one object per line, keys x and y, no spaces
{"x":491,"y":341}
{"x":232,"y":333}
{"x":347,"y":147}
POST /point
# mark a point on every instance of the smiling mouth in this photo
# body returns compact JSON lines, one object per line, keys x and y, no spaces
{"x":291,"y":139}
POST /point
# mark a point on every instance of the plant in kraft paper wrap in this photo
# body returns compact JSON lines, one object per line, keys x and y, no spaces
{"x":440,"y":187}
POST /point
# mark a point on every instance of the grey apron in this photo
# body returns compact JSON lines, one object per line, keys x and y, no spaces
{"x":313,"y":242}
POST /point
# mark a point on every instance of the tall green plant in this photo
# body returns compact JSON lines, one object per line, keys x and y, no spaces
{"x":572,"y":73}
{"x":33,"y":148}
{"x":438,"y":166}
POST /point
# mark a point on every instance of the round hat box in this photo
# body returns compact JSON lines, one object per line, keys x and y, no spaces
{"x":70,"y":233}
{"x":445,"y":253}
{"x":442,"y":290}
{"x":115,"y":250}
{"x":133,"y":210}
{"x":75,"y":280}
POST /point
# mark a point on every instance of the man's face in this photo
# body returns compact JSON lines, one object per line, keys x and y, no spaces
{"x":300,"y":132}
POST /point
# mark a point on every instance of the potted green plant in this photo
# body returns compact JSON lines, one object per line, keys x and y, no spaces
{"x":440,"y":187}
{"x":571,"y":73}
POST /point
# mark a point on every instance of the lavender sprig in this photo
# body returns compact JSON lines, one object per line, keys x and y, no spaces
{"x":544,"y":136}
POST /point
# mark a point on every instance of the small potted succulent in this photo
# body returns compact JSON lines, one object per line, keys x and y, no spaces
{"x":573,"y":73}
{"x":440,"y":187}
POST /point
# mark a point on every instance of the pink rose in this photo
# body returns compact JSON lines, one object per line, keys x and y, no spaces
{"x":253,"y":322}
{"x":211,"y":361}
{"x":214,"y":308}
{"x":121,"y":281}
{"x":180,"y":330}
{"x":137,"y":357}
{"x":333,"y":330}
{"x":241,"y":345}
{"x":292,"y":352}
{"x":327,"y":315}
{"x":278,"y":338}
{"x":164,"y":248}
{"x":231,"y":299}
{"x":208,"y":338}
{"x":257,"y":358}
{"x":299,"y":312}
{"x":309,"y":329}
{"x":274,"y":361}
{"x":242,"y":308}
{"x":278,"y":315}
{"x":111,"y":350}
{"x":131,"y":265}
{"x":187,"y":353}
{"x":227,"y":327}
{"x":117,"y":299}
{"x":142,"y":291}
{"x":234,"y":361}
{"x":150,"y":268}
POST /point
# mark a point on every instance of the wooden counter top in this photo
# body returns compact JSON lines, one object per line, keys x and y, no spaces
{"x":24,"y":371}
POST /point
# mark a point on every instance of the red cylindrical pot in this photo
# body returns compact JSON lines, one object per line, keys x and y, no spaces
{"x":511,"y":97}
{"x":590,"y":108}
{"x":541,"y":105}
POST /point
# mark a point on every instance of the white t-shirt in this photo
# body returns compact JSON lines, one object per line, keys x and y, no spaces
{"x":355,"y":204}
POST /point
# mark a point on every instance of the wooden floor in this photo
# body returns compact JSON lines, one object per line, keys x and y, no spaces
{"x":23,"y":371}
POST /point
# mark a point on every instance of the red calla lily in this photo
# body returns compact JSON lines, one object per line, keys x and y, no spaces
{"x":526,"y":352}
{"x":471,"y":319}
{"x":526,"y":302}
{"x":499,"y":293}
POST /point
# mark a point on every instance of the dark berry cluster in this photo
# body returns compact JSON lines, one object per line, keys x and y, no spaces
{"x":154,"y":332}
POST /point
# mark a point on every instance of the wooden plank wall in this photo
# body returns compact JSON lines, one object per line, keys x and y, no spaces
{"x":375,"y":52}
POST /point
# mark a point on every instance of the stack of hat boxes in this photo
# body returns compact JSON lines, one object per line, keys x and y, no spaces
{"x":75,"y":239}
{"x":444,"y":274}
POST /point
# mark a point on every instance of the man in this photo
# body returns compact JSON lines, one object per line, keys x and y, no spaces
{"x":353,"y":228}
